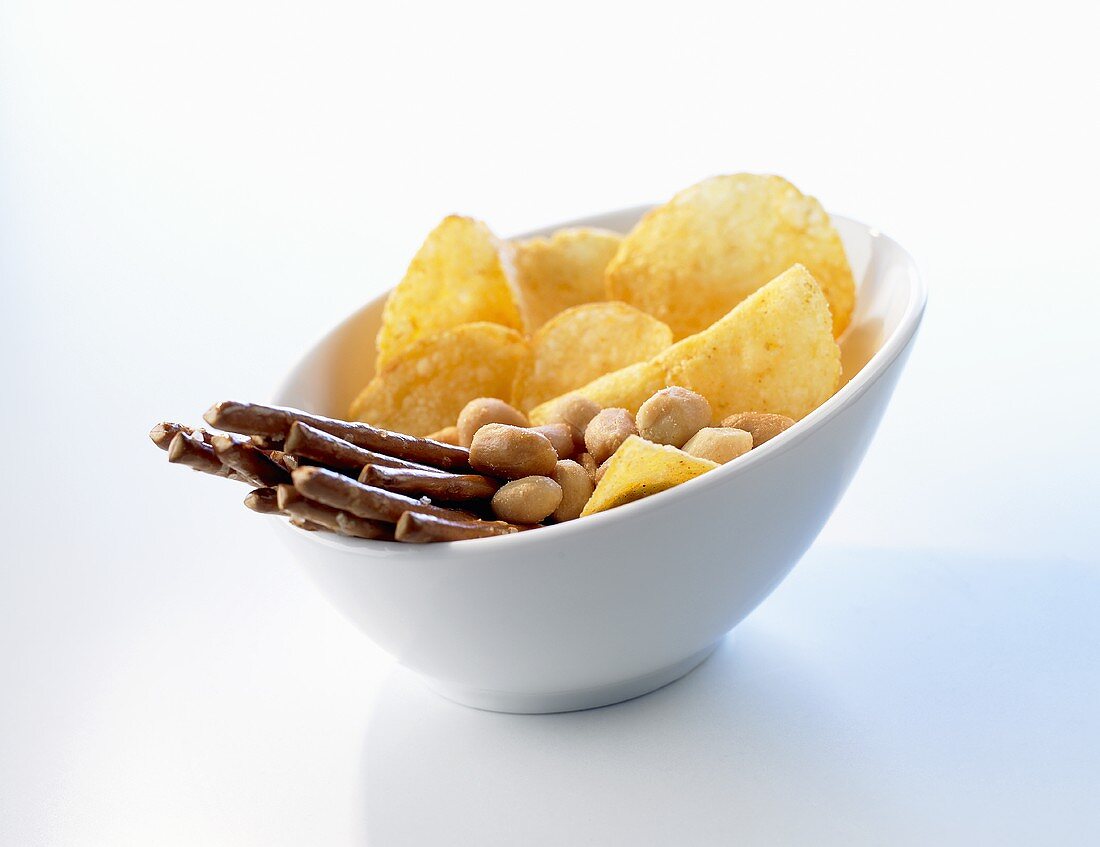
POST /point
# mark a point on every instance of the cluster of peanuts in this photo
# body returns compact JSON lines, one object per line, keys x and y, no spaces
{"x":554,"y":468}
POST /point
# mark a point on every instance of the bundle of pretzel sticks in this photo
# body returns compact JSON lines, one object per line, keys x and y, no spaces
{"x":345,"y":477}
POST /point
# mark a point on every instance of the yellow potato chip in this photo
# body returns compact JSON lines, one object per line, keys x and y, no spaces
{"x":563,"y":270}
{"x":583,"y":343}
{"x":693,"y":259}
{"x":423,"y":389}
{"x":774,"y":352}
{"x":461,"y":274}
{"x":640,"y":468}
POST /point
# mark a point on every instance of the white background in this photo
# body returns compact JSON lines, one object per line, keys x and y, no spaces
{"x":190,"y":194}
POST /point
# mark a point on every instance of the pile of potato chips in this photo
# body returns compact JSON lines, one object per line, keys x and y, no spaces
{"x":736,"y":288}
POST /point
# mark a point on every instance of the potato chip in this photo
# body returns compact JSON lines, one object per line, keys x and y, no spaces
{"x":461,"y":274}
{"x":693,"y":259}
{"x":583,"y":343}
{"x":563,"y":270}
{"x":424,"y":388}
{"x":640,"y":468}
{"x":774,"y":352}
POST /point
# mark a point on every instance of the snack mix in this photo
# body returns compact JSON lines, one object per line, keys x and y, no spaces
{"x":521,"y":384}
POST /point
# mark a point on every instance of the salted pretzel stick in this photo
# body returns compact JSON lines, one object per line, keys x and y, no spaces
{"x":333,"y":452}
{"x":293,"y":503}
{"x":191,"y":451}
{"x":163,"y":433}
{"x":263,"y":500}
{"x":248,"y":460}
{"x":282,"y":458}
{"x":415,"y":528}
{"x":275,"y":422}
{"x":364,"y":501}
{"x":439,"y":485}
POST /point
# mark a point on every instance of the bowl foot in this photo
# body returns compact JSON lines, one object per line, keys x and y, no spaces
{"x":569,"y":701}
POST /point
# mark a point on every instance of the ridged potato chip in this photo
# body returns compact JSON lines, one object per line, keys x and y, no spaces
{"x":640,"y":468}
{"x":461,"y":274}
{"x":774,"y":352}
{"x":583,"y":343}
{"x":693,"y":259}
{"x":563,"y":270}
{"x":424,"y":388}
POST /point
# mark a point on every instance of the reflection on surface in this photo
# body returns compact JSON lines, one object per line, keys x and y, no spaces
{"x":877,"y":697}
{"x":727,"y":746}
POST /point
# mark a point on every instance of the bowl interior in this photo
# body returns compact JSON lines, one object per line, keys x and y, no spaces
{"x":330,"y":376}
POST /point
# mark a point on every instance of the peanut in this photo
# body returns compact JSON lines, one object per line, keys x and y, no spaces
{"x":527,"y":500}
{"x":577,"y":411}
{"x":606,"y":431}
{"x":448,"y":435}
{"x":486,"y":410}
{"x":576,"y":487}
{"x":673,"y":415}
{"x":586,"y":461}
{"x":719,"y":444}
{"x":762,"y":426}
{"x":561,"y":435}
{"x":511,"y":452}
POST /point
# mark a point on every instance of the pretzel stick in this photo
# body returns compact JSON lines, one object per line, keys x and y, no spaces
{"x":263,"y":500}
{"x":439,"y":485}
{"x":191,"y":451}
{"x":336,"y":453}
{"x":414,"y":528}
{"x":248,"y":461}
{"x":293,"y":503}
{"x":275,"y":422}
{"x":364,"y":501}
{"x":163,"y":433}
{"x":282,"y":458}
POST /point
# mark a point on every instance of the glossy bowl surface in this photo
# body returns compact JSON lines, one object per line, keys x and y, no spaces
{"x":611,"y":606}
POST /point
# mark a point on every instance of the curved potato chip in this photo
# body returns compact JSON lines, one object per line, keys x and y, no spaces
{"x":693,"y":259}
{"x":461,"y":274}
{"x":563,"y":270}
{"x":640,"y":468}
{"x":425,"y":387}
{"x":583,"y":343}
{"x":774,"y":352}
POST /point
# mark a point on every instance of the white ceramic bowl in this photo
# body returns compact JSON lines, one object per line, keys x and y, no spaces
{"x":611,"y":606}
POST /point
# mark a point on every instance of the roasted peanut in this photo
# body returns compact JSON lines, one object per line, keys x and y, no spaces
{"x":512,"y":452}
{"x":586,"y":461}
{"x":673,"y":415}
{"x":577,"y":411}
{"x":448,"y":435}
{"x":762,"y":426}
{"x":486,"y":410}
{"x":719,"y":444}
{"x":576,"y":487}
{"x":527,"y":500}
{"x":561,"y":435}
{"x":606,"y":431}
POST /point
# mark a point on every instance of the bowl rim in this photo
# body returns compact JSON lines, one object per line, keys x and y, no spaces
{"x":846,"y":395}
